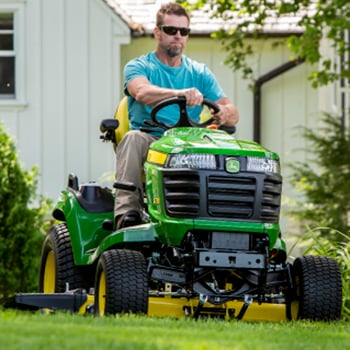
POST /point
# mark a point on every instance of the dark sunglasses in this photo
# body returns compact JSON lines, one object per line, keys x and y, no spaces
{"x":170,"y":30}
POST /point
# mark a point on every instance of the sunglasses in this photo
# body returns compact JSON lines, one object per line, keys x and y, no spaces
{"x":170,"y":30}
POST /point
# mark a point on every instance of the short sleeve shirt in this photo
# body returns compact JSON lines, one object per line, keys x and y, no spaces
{"x":188,"y":75}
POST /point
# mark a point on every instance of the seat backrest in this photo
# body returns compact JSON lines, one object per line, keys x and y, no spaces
{"x":121,"y":114}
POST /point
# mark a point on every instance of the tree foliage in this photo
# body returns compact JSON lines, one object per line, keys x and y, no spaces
{"x":20,"y":222}
{"x":324,"y":180}
{"x":318,"y":19}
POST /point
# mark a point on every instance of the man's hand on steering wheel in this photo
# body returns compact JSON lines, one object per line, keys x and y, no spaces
{"x":193,"y":96}
{"x":220,"y":117}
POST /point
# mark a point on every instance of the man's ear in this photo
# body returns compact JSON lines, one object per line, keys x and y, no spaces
{"x":156,"y":32}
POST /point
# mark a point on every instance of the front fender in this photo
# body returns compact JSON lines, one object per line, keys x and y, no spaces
{"x":130,"y":237}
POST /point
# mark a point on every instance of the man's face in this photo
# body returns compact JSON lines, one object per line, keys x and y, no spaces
{"x":174,"y":44}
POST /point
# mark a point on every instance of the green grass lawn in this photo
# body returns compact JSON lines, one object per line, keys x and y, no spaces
{"x":25,"y":330}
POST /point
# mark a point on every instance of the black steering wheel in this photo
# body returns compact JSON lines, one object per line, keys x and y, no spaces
{"x":184,"y":119}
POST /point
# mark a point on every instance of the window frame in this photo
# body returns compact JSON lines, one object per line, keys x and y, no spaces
{"x":9,"y":53}
{"x":17,"y":9}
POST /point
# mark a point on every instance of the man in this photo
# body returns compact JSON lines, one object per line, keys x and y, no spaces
{"x":150,"y":79}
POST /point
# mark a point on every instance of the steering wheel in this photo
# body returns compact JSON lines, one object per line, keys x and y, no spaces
{"x":184,"y":119}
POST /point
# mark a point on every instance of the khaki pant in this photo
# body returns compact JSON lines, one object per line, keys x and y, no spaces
{"x":131,"y":154}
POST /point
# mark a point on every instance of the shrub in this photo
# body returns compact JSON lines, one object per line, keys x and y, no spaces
{"x":21,"y":219}
{"x":324,"y":180}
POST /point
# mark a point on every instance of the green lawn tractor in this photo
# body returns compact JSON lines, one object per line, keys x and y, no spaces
{"x":210,"y":244}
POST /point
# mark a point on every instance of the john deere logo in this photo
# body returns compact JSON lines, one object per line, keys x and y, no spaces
{"x":232,"y":165}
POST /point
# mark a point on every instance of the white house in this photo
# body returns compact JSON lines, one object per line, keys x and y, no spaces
{"x":61,"y":67}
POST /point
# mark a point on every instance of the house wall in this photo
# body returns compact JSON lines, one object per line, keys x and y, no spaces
{"x":70,"y":55}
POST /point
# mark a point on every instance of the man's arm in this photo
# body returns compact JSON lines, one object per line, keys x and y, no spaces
{"x":146,"y":93}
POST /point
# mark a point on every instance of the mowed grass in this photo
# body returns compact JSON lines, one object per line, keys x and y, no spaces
{"x":26,"y":330}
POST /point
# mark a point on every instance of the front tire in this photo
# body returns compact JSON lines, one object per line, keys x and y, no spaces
{"x":121,"y":283}
{"x":317,"y":290}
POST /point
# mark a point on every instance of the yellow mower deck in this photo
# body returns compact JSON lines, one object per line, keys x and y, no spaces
{"x":181,"y":307}
{"x":164,"y":305}
{"x":167,"y":306}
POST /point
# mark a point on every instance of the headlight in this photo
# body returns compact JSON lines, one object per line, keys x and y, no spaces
{"x":192,"y":161}
{"x":263,"y":165}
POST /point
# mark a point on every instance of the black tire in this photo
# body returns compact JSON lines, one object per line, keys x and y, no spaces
{"x":57,"y":269}
{"x":317,"y":290}
{"x":121,"y":283}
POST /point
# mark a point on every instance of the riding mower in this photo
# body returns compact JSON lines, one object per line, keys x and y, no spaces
{"x":210,"y":244}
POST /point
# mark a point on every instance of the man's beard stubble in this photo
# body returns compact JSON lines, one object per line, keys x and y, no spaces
{"x":174,"y":52}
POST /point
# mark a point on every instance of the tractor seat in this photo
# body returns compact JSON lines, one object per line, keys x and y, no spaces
{"x":121,"y":114}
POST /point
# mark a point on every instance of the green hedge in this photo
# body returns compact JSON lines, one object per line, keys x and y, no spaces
{"x":22,"y":217}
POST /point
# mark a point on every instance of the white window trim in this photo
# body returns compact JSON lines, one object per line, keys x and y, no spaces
{"x":18,"y":10}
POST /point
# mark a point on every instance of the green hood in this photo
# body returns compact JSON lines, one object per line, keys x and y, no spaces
{"x":201,"y":140}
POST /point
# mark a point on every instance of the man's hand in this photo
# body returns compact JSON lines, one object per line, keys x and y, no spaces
{"x":221,"y":117}
{"x":227,"y":114}
{"x":193,"y":96}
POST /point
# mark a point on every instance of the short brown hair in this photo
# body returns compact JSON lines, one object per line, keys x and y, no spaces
{"x":171,"y":9}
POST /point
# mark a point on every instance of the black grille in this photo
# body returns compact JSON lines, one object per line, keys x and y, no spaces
{"x":244,"y":196}
{"x":231,"y":196}
{"x":271,"y":199}
{"x":181,"y":193}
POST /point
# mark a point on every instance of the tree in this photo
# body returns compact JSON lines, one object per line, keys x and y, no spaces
{"x":318,"y":19}
{"x":21,"y":221}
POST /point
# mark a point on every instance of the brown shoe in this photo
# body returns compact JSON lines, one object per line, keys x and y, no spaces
{"x":130,"y":218}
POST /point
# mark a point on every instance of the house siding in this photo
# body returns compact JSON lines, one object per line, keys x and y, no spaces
{"x":72,"y":56}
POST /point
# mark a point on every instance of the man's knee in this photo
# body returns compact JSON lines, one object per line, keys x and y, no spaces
{"x":137,"y":138}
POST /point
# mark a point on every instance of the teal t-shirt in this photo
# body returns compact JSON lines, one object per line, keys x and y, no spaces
{"x":188,"y":75}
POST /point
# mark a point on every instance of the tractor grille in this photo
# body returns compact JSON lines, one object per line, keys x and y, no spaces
{"x":243,"y":196}
{"x":182,"y":195}
{"x":231,"y":197}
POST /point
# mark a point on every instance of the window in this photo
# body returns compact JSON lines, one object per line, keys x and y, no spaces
{"x":7,"y":56}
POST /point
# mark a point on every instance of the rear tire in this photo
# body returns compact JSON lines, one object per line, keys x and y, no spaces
{"x":317,"y":290}
{"x":57,"y":269}
{"x":121,"y":283}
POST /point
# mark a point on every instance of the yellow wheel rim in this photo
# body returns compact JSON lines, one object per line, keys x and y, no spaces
{"x":102,"y":294}
{"x":50,"y":273}
{"x":294,"y":309}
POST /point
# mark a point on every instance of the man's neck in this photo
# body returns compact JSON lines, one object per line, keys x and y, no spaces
{"x":169,"y":61}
